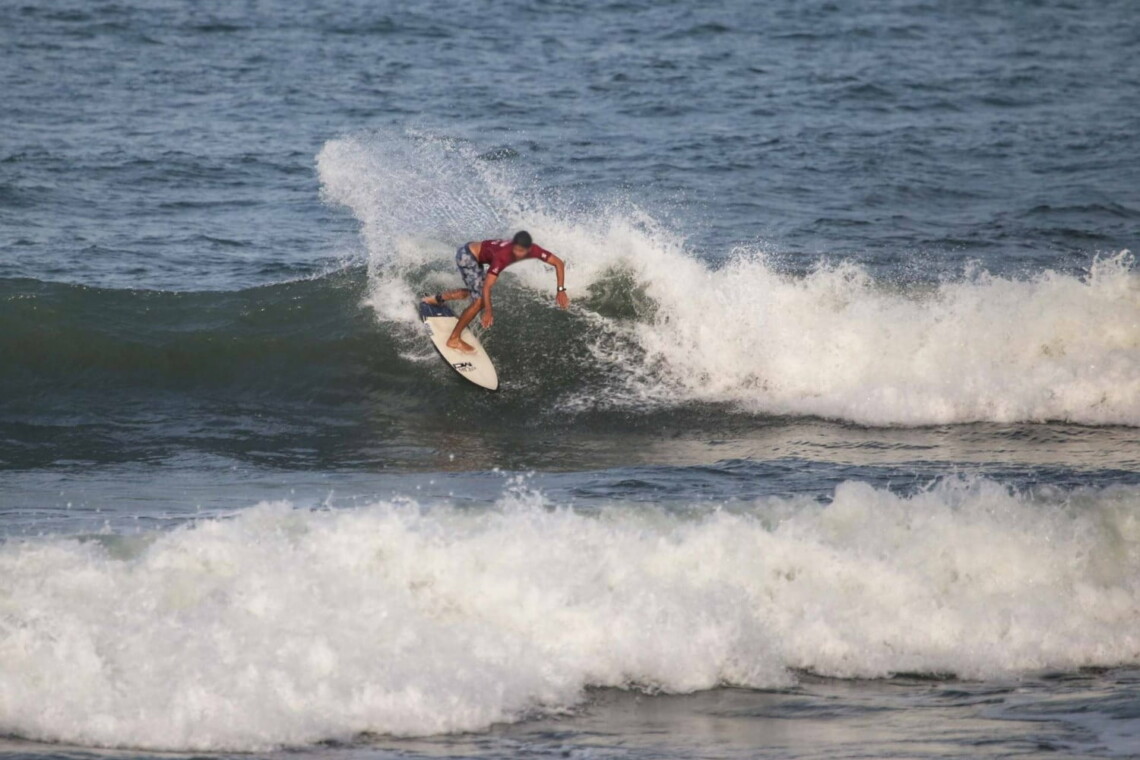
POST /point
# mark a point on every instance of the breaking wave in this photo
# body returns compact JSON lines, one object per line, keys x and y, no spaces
{"x":667,"y":326}
{"x":285,"y":627}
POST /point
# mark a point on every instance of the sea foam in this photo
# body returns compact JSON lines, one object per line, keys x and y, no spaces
{"x":834,"y":343}
{"x":284,"y":627}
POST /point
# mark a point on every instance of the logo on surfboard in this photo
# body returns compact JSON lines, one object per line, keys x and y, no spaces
{"x":463,"y":366}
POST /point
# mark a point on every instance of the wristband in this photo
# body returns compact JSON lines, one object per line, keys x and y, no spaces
{"x":561,"y":289}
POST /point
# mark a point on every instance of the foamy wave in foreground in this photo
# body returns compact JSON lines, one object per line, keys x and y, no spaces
{"x":285,"y":627}
{"x":835,"y":343}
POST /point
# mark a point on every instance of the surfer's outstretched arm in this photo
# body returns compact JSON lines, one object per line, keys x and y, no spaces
{"x":488,"y":311}
{"x":560,"y":267}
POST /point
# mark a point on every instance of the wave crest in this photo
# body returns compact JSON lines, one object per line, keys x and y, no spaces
{"x":674,"y":329}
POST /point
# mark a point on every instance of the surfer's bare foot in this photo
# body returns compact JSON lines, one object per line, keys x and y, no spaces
{"x":431,"y":300}
{"x":461,"y":345}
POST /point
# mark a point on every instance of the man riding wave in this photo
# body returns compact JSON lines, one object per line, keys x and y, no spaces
{"x":495,"y":255}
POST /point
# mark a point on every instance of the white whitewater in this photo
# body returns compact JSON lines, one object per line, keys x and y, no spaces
{"x":834,"y":343}
{"x":284,"y":627}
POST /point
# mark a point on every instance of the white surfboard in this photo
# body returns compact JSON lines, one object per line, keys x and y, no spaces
{"x":476,"y":366}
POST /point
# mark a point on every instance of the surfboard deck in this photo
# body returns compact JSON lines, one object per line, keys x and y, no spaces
{"x":474,"y":367}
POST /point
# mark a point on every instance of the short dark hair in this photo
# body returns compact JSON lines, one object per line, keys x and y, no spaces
{"x":523,"y":238}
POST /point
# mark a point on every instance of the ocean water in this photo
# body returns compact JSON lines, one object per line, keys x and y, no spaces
{"x":835,"y":454}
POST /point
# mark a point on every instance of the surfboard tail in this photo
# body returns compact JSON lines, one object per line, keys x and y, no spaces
{"x":429,"y":310}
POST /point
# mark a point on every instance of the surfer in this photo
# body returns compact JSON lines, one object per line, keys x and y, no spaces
{"x":496,"y":255}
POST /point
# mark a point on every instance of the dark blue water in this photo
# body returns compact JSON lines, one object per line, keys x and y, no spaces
{"x":836,"y":451}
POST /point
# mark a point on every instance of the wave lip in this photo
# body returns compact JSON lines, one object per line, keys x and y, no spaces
{"x":283,"y":627}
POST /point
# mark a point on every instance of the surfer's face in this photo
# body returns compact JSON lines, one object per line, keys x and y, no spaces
{"x":520,"y":251}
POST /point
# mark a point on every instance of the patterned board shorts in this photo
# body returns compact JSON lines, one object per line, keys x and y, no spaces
{"x":471,"y":271}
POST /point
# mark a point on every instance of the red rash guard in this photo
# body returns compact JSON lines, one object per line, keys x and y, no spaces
{"x":497,"y":254}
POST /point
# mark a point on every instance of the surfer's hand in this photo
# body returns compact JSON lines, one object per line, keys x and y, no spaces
{"x":488,"y":318}
{"x":562,"y":299}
